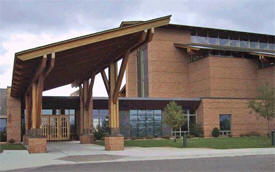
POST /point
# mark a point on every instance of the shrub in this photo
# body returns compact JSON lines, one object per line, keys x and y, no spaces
{"x":99,"y":133}
{"x":166,"y":137}
{"x":252,"y":133}
{"x":190,"y":136}
{"x":11,"y":141}
{"x":1,"y":136}
{"x":230,"y":135}
{"x":196,"y":130}
{"x":149,"y":137}
{"x":215,"y":132}
{"x":133,"y":138}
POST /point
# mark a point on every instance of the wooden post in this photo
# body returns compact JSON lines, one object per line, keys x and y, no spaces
{"x":113,"y":104}
{"x":86,"y":110}
{"x":81,"y":108}
{"x":34,"y":106}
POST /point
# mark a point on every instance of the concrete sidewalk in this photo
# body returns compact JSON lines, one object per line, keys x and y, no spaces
{"x":75,"y":153}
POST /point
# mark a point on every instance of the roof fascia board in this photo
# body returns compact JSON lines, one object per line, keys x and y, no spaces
{"x":92,"y":38}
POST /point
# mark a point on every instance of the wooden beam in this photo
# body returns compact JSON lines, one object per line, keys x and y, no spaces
{"x":34,"y":105}
{"x":90,"y":91}
{"x":51,"y":66}
{"x":92,"y":38}
{"x":105,"y":81}
{"x":38,"y":72}
{"x":81,"y":108}
{"x":120,"y":76}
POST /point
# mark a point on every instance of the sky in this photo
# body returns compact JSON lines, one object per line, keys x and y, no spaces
{"x":27,"y":24}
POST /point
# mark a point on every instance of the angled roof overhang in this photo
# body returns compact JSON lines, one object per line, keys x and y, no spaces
{"x":76,"y":59}
{"x":252,"y":51}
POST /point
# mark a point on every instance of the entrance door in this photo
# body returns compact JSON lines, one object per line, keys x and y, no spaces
{"x":56,"y":127}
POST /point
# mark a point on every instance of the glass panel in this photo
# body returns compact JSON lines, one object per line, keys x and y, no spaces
{"x":47,"y":111}
{"x":234,"y":43}
{"x":150,"y":115}
{"x":254,"y":44}
{"x":225,"y":122}
{"x":224,"y":42}
{"x":263,"y":45}
{"x":194,"y":39}
{"x":133,"y":115}
{"x":244,"y":44}
{"x":213,"y":40}
{"x":58,"y":111}
{"x":3,"y":125}
{"x":271,"y":46}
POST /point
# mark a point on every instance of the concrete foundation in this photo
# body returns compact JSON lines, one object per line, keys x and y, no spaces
{"x":37,"y":145}
{"x":86,"y":139}
{"x":114,"y":143}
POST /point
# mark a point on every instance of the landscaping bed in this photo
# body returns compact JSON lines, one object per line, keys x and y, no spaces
{"x":215,"y":143}
{"x":11,"y":147}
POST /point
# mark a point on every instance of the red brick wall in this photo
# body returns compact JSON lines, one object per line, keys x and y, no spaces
{"x":167,"y":66}
{"x":13,"y":118}
{"x":131,"y":76}
{"x":243,"y":119}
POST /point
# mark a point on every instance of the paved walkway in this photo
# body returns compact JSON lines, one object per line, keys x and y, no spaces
{"x":75,"y":153}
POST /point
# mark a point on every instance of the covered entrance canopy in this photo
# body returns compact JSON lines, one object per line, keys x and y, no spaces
{"x":77,"y":61}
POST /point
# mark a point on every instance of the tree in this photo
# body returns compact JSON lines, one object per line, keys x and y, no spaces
{"x":264,"y":103}
{"x":173,"y":115}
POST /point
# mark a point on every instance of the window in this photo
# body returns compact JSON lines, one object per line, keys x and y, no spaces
{"x":47,"y":111}
{"x":213,"y":38}
{"x":142,"y":71}
{"x":225,"y":124}
{"x":3,"y":125}
{"x":145,"y":123}
{"x":223,"y":37}
{"x":100,"y":115}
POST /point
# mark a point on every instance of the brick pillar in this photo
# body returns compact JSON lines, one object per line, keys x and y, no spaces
{"x":13,"y":118}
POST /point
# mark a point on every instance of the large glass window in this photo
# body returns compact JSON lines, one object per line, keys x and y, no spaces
{"x":3,"y":125}
{"x":47,"y":111}
{"x":213,"y":38}
{"x":145,"y":123}
{"x":100,"y":115}
{"x":223,"y":39}
{"x":225,"y":122}
{"x":3,"y":129}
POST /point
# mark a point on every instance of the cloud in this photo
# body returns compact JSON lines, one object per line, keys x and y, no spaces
{"x":26,"y":24}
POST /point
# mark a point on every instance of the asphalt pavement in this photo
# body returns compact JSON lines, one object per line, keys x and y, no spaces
{"x":253,"y":163}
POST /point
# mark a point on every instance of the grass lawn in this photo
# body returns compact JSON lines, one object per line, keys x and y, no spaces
{"x":216,"y":143}
{"x":11,"y":147}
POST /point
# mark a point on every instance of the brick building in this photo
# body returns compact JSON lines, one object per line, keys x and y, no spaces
{"x":222,"y":68}
{"x":211,"y":73}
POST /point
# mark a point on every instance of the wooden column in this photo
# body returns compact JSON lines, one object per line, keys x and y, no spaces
{"x":81,"y":108}
{"x":86,"y":111}
{"x":113,"y":103}
{"x":27,"y":112}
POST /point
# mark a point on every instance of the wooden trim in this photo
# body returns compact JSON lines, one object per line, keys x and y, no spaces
{"x":90,"y":91}
{"x":52,"y":62}
{"x":34,"y":105}
{"x":105,"y":81}
{"x":120,"y":76}
{"x":93,"y":38}
{"x":38,"y":72}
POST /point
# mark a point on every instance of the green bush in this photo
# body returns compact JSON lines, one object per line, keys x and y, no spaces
{"x":99,"y":133}
{"x":166,"y":137}
{"x":1,"y":136}
{"x":196,"y":130}
{"x":149,"y":137}
{"x":133,"y":138}
{"x":215,"y":132}
{"x":11,"y":141}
